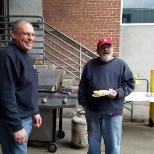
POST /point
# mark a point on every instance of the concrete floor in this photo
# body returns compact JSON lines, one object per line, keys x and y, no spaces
{"x":137,"y":137}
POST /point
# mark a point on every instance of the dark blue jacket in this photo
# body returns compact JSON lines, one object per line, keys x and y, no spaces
{"x":18,"y":86}
{"x":98,"y":75}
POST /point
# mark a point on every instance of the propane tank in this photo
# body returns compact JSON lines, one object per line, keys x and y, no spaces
{"x":79,"y":130}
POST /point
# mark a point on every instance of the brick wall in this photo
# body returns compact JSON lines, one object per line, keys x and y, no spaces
{"x":85,"y":21}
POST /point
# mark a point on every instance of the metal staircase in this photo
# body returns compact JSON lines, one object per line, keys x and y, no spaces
{"x":51,"y":46}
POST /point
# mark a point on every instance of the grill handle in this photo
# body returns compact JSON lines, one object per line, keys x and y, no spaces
{"x":48,"y":90}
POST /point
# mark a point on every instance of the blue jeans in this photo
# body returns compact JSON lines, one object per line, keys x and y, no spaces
{"x":8,"y":144}
{"x":106,"y":126}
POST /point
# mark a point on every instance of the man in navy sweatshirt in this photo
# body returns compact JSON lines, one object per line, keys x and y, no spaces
{"x":104,"y":114}
{"x":18,"y":90}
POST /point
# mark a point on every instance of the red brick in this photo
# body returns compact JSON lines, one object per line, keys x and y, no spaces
{"x":85,"y":21}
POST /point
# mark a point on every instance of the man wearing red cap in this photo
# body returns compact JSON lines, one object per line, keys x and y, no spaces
{"x":104,"y":114}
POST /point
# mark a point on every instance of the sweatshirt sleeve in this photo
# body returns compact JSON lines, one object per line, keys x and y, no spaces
{"x":128,"y":84}
{"x":8,"y":105}
{"x":82,"y":88}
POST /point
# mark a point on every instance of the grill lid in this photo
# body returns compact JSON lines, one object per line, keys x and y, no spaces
{"x":50,"y":80}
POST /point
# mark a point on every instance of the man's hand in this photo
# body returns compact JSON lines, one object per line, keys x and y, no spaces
{"x":113,"y":94}
{"x":20,"y":136}
{"x":84,"y":107}
{"x":37,"y":120}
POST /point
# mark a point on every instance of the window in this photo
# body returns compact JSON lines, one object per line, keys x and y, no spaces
{"x":137,"y":11}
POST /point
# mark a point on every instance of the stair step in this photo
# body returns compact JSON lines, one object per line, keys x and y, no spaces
{"x":41,"y":67}
{"x":69,"y":76}
{"x":75,"y":82}
{"x":51,"y":66}
{"x":67,"y":83}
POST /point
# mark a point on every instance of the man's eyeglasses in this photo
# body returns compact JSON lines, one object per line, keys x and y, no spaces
{"x":26,"y":34}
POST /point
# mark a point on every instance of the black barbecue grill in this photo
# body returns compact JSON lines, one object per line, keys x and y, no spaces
{"x":51,"y":99}
{"x":49,"y":81}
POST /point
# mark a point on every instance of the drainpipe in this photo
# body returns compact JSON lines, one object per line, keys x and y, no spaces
{"x":6,"y":7}
{"x":6,"y":19}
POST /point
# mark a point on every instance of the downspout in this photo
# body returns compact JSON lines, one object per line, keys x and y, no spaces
{"x":6,"y":19}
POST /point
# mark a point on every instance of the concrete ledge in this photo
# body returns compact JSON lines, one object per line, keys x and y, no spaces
{"x":41,"y":67}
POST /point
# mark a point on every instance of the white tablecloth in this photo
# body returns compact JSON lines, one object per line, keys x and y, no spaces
{"x":140,"y":96}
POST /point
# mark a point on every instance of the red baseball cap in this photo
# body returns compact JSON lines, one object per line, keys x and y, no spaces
{"x":104,"y":41}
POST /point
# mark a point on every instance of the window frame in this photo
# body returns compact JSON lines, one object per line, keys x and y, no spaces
{"x":130,"y":24}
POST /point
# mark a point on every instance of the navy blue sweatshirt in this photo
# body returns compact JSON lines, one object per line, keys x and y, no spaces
{"x":18,"y":86}
{"x":98,"y":75}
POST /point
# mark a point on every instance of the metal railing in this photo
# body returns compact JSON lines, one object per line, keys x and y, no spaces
{"x":51,"y":45}
{"x":64,"y":52}
{"x":6,"y":23}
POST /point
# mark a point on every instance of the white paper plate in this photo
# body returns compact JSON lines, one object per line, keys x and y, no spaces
{"x":97,"y":96}
{"x":107,"y":93}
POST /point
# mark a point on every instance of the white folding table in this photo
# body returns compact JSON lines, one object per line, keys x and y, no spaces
{"x":138,"y":97}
